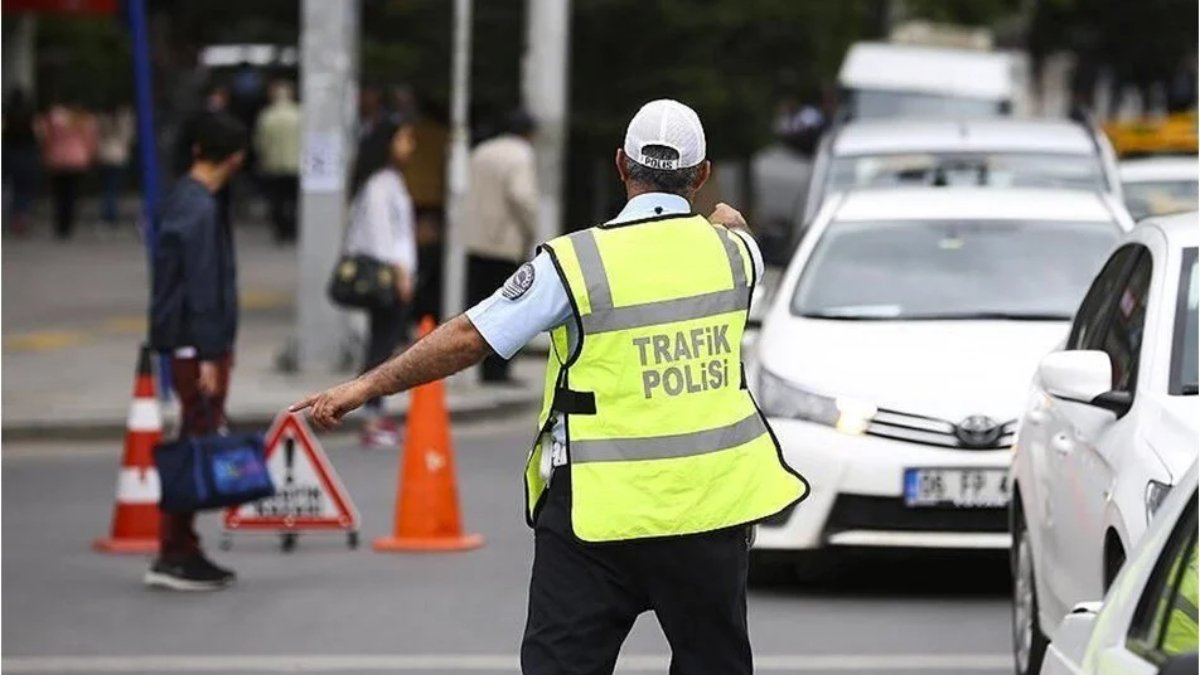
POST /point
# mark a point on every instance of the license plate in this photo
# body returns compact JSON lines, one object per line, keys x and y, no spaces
{"x":963,"y":488}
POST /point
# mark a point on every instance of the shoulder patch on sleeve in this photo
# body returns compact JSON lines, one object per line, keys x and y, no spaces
{"x":518,"y":283}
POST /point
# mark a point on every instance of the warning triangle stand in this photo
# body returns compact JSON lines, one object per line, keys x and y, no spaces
{"x":309,"y":496}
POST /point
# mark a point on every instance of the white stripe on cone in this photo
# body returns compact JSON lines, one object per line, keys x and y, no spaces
{"x":144,"y":415}
{"x":137,"y":486}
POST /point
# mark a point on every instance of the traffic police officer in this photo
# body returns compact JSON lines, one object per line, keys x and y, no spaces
{"x":652,"y":460}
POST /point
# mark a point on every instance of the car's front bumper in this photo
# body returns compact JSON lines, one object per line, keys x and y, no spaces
{"x":857,"y":494}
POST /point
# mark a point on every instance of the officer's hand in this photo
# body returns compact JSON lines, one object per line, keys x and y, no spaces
{"x":728,"y":216}
{"x":327,"y":408}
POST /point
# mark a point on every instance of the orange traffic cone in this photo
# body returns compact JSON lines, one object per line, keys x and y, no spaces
{"x":427,"y":516}
{"x":135,"y":518}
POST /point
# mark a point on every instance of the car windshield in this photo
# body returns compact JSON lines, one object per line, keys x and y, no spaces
{"x":875,"y":103}
{"x":1159,"y":198}
{"x":1184,"y":359}
{"x":945,"y":269}
{"x":991,"y":169}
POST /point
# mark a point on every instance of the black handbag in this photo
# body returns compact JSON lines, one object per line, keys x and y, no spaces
{"x":362,"y":282}
{"x":212,"y":472}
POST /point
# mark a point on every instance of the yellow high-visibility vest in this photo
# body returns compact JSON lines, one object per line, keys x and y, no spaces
{"x":662,"y":436}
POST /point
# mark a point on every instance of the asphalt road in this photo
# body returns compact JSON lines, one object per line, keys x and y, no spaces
{"x":326,"y":609}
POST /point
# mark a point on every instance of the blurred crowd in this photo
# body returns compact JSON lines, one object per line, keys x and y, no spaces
{"x":63,"y":143}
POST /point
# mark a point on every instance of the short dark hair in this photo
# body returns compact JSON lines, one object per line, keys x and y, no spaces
{"x":519,"y":122}
{"x":675,"y":181}
{"x":219,"y":136}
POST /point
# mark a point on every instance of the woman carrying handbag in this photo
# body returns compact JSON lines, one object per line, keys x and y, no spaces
{"x":380,"y":260}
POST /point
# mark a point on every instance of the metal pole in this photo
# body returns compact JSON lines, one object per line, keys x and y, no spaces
{"x":545,"y":92}
{"x":139,"y":36}
{"x":329,"y":66}
{"x":454,"y":275}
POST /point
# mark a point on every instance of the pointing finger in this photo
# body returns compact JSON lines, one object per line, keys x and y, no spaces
{"x":305,"y":403}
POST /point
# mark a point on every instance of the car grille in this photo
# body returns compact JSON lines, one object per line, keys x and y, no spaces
{"x":932,"y":431}
{"x":857,"y":512}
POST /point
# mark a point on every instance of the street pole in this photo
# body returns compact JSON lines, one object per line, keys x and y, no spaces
{"x":454,"y":275}
{"x":546,"y":65}
{"x":139,"y":37}
{"x":329,"y":91}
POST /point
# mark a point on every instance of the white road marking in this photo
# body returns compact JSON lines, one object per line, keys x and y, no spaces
{"x":792,"y":663}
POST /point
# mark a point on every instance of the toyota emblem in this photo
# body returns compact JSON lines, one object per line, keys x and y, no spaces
{"x":978,"y":431}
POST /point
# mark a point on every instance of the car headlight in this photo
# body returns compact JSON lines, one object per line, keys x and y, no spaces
{"x":1156,"y":492}
{"x":780,"y":398}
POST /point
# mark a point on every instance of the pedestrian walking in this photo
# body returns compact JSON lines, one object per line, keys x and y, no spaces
{"x":501,"y":221}
{"x":383,"y":227}
{"x":277,"y":140}
{"x":116,"y":134}
{"x":194,"y":319}
{"x":651,"y":461}
{"x":20,"y":159}
{"x":68,"y":136}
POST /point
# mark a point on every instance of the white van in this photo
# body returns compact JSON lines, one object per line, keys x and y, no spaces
{"x":880,"y":79}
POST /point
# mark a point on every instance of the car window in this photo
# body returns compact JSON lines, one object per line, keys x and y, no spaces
{"x":1179,"y":631}
{"x":1122,"y":340}
{"x":1185,"y":349}
{"x":867,"y":103}
{"x":997,"y":169}
{"x":1159,"y":198}
{"x":1164,"y":623}
{"x":1100,"y":298}
{"x":950,"y":269}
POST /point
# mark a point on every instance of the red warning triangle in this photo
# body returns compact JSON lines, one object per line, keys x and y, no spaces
{"x":308,"y":493}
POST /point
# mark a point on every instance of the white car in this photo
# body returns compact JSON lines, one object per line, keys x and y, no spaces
{"x":1147,"y":620}
{"x":1159,"y":186}
{"x":1110,"y":425}
{"x":994,"y":152}
{"x":894,"y":361}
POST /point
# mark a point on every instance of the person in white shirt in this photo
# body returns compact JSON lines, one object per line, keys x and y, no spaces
{"x":383,"y":226}
{"x":501,"y":222}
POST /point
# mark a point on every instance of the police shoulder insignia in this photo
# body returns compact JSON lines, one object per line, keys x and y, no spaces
{"x":518,"y":283}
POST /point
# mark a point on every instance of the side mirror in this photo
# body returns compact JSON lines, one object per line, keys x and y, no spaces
{"x":761,"y":299}
{"x":1083,"y":376}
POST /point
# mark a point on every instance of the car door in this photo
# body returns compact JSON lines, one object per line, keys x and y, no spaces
{"x":1093,"y":443}
{"x":1050,"y":435}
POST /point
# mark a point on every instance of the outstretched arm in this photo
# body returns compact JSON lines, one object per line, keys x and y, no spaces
{"x":453,"y":346}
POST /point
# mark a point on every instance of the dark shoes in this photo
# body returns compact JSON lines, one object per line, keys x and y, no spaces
{"x":195,"y":573}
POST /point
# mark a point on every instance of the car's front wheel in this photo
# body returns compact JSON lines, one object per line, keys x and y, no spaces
{"x":1029,"y":642}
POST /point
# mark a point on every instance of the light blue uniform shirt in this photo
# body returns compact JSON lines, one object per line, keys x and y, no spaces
{"x":507,"y":324}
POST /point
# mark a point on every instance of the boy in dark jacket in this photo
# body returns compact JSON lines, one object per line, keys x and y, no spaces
{"x":193,"y":318}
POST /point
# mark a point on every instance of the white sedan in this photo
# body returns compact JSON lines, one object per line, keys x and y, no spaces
{"x":1148,"y":619}
{"x":895,"y":357}
{"x":1111,"y":424}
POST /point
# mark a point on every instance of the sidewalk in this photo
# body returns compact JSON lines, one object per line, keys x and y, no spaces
{"x":74,"y":316}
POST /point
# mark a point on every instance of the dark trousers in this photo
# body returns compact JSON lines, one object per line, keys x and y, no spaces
{"x":388,"y":330}
{"x":484,"y":276}
{"x":112,"y":179}
{"x":64,"y":187}
{"x":281,"y":192}
{"x":584,"y":598}
{"x":199,"y":414}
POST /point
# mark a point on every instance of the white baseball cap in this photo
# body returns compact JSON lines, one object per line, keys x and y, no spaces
{"x":667,"y":123}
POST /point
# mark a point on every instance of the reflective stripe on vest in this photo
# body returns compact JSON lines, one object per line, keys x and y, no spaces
{"x":673,"y":445}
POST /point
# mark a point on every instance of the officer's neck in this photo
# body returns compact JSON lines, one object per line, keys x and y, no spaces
{"x":636,"y":190}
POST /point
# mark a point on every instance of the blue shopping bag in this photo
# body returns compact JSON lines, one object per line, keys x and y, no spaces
{"x":217,"y":471}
